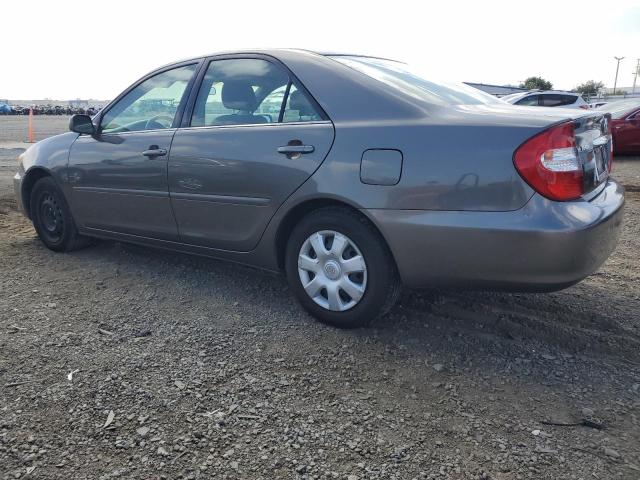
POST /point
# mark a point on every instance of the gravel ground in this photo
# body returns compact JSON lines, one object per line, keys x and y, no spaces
{"x":124,"y":362}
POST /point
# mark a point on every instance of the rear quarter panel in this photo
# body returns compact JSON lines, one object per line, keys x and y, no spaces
{"x":445,"y":167}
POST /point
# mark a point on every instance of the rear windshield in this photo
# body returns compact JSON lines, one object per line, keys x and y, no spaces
{"x":401,"y":76}
{"x":620,"y":109}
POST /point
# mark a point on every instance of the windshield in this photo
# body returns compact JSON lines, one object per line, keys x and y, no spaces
{"x":621,"y":108}
{"x":401,"y":76}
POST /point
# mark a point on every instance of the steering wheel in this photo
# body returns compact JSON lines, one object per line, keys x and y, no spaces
{"x":154,"y":123}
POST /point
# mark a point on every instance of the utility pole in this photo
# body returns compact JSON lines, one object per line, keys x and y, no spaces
{"x":635,"y":77}
{"x":615,"y":83}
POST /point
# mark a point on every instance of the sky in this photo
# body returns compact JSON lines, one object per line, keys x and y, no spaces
{"x":67,"y":49}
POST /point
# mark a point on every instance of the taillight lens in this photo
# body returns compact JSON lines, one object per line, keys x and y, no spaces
{"x":549,"y":162}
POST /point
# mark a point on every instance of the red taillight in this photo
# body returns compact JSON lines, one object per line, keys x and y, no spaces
{"x":584,"y":107}
{"x":549,"y":162}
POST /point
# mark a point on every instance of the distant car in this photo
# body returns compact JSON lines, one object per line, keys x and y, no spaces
{"x":547,"y":98}
{"x":625,"y":125}
{"x":4,"y":109}
{"x":368,"y":177}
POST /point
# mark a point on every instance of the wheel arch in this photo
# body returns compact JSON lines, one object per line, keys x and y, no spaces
{"x":30,"y":178}
{"x":298,"y":212}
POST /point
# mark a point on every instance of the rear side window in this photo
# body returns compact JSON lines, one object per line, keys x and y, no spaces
{"x":528,"y":101}
{"x":245,"y":91}
{"x":298,"y":108}
{"x":552,"y":100}
{"x":557,"y":100}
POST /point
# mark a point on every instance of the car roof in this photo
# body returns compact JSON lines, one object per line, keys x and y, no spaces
{"x":563,"y":92}
{"x":274,"y":52}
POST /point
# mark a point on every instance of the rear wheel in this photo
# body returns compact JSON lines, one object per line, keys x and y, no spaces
{"x":52,"y":218}
{"x":340,"y":269}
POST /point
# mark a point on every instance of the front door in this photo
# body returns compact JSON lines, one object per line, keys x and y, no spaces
{"x":253,"y":138}
{"x":119,"y":175}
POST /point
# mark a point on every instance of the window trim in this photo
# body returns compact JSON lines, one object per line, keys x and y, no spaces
{"x":285,"y":99}
{"x":206,"y":61}
{"x":97,"y":120}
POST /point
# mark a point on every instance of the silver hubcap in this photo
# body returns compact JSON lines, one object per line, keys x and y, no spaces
{"x":332,"y":270}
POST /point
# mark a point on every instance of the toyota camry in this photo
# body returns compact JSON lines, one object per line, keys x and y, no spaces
{"x":353,"y":175}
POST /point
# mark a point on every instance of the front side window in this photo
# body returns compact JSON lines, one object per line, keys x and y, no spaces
{"x":528,"y":101}
{"x":246,"y":91}
{"x":151,"y":105}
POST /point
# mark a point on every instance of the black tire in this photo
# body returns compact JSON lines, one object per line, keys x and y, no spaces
{"x":382,"y":285}
{"x":52,"y":218}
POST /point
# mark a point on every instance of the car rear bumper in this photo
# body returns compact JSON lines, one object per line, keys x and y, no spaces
{"x":546,"y":245}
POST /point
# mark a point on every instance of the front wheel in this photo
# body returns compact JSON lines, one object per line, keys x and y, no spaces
{"x":52,"y":218}
{"x":340,"y":269}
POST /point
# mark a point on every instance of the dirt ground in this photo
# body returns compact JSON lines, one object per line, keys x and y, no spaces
{"x":123,"y":362}
{"x":15,"y":128}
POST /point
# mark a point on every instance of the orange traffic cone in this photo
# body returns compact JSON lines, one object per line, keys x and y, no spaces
{"x":31,"y":138}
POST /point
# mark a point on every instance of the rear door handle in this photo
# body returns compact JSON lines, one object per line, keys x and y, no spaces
{"x":154,"y":151}
{"x":296,"y":149}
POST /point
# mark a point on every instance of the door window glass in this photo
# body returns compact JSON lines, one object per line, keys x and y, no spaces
{"x":245,"y":91}
{"x":299,"y":108}
{"x":232,"y":92}
{"x":151,"y":105}
{"x":556,"y":100}
{"x":528,"y":101}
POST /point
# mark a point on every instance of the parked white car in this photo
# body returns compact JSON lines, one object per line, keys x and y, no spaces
{"x":597,"y":104}
{"x":547,"y":98}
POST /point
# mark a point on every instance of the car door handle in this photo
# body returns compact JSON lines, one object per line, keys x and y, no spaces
{"x":296,"y":149}
{"x":154,"y":151}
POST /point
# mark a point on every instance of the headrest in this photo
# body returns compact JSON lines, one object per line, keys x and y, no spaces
{"x":238,"y":95}
{"x":299,"y":102}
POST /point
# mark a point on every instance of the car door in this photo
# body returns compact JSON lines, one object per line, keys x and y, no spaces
{"x":628,"y":133}
{"x":119,"y":175}
{"x":252,"y":136}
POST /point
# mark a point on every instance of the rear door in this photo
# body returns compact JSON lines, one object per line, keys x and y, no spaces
{"x":251,"y":137}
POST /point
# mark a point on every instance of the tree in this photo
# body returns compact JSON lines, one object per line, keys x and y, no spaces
{"x":589,"y":88}
{"x":536,"y":83}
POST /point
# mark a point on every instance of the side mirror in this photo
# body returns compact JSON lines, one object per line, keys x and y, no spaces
{"x":81,"y":124}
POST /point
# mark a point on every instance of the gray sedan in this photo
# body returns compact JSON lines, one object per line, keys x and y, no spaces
{"x":354,"y":175}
